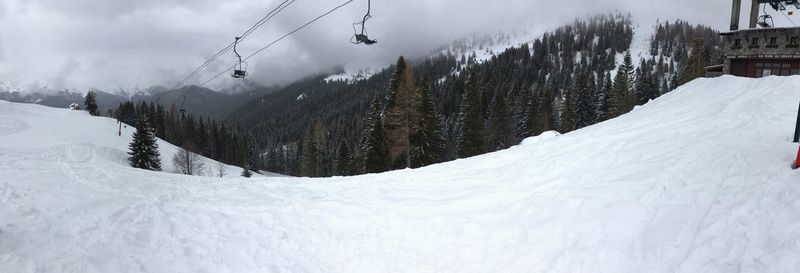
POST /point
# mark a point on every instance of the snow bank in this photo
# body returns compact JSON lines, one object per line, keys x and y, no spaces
{"x":695,"y":181}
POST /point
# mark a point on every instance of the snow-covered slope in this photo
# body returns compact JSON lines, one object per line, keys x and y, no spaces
{"x":696,"y":181}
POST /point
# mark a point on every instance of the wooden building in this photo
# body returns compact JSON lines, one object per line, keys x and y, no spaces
{"x":760,"y":52}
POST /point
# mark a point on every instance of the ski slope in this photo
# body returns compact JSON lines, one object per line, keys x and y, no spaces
{"x":696,"y":181}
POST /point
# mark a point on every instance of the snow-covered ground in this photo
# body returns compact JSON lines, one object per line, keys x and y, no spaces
{"x":696,"y":181}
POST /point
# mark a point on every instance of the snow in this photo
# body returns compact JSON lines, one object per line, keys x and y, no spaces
{"x":486,"y":46}
{"x":350,"y":77}
{"x":695,"y":181}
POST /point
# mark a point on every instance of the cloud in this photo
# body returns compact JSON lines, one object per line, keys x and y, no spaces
{"x":2,"y":50}
{"x":67,"y":70}
{"x":124,"y":44}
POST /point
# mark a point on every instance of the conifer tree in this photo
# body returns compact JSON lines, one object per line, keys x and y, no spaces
{"x":470,"y":141}
{"x":586,"y":100}
{"x":401,"y":113}
{"x":91,"y":103}
{"x":603,"y":98}
{"x":375,"y":150}
{"x":144,"y":149}
{"x":523,"y":115}
{"x":246,"y":170}
{"x":246,"y":154}
{"x":427,"y":140}
{"x":569,"y":112}
{"x":500,"y":133}
{"x":537,"y":114}
{"x":697,"y":61}
{"x":623,"y":99}
{"x":309,"y":161}
{"x":343,"y":160}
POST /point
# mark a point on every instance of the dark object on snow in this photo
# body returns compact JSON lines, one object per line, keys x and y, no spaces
{"x":362,"y":38}
{"x":797,"y":128}
{"x":240,"y":69}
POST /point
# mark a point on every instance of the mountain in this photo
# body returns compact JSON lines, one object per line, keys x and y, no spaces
{"x":199,"y":100}
{"x":63,"y":99}
{"x":543,"y":75}
{"x":697,"y":180}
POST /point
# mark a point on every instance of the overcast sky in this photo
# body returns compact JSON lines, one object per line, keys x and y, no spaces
{"x":113,"y":44}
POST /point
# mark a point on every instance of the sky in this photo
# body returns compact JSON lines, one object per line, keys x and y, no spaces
{"x":116,"y":45}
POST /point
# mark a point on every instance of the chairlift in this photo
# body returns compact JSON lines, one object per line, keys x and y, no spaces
{"x":240,"y":69}
{"x":183,"y":110}
{"x":362,"y":37}
{"x":778,"y":6}
{"x":765,"y":20}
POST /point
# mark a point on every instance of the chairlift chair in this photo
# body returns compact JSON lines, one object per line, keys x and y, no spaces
{"x":240,"y":68}
{"x":362,"y":37}
{"x":765,"y":21}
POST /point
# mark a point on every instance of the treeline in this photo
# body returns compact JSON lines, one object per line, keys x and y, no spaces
{"x":206,"y":137}
{"x":567,"y":79}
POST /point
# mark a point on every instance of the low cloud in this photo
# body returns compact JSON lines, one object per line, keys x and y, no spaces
{"x":126,"y":44}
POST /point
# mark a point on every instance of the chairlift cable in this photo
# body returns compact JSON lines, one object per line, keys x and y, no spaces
{"x":261,"y":22}
{"x":279,"y":39}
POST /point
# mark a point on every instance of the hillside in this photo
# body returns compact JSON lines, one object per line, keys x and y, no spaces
{"x":695,"y":181}
{"x":547,"y":78}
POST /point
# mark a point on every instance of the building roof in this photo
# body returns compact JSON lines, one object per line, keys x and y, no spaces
{"x":758,"y":30}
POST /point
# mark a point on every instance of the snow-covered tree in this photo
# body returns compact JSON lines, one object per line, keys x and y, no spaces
{"x":375,"y":150}
{"x":427,"y":140}
{"x":470,"y":140}
{"x":401,"y":114}
{"x":91,"y":103}
{"x":144,"y":149}
{"x":500,"y":134}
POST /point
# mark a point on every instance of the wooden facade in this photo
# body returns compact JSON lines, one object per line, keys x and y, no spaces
{"x":757,"y":68}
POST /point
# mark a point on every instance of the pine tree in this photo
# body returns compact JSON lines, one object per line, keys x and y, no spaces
{"x":500,"y":134}
{"x":144,"y":149}
{"x":623,"y":99}
{"x":523,"y":115}
{"x":91,"y":103}
{"x":470,"y":139}
{"x":586,"y":100}
{"x":569,"y":111}
{"x":246,"y":170}
{"x":402,"y":106}
{"x":309,"y":161}
{"x":604,"y":98}
{"x":697,"y":61}
{"x":537,"y":115}
{"x":375,"y":150}
{"x":343,"y":160}
{"x":246,"y":154}
{"x":427,"y":140}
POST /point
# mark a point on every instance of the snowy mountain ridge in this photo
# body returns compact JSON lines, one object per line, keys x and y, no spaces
{"x":697,"y":180}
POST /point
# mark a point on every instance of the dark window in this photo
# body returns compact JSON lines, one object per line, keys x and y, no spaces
{"x":773,"y":41}
{"x":774,"y":69}
{"x":737,"y":42}
{"x":754,"y":42}
{"x":793,"y":40}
